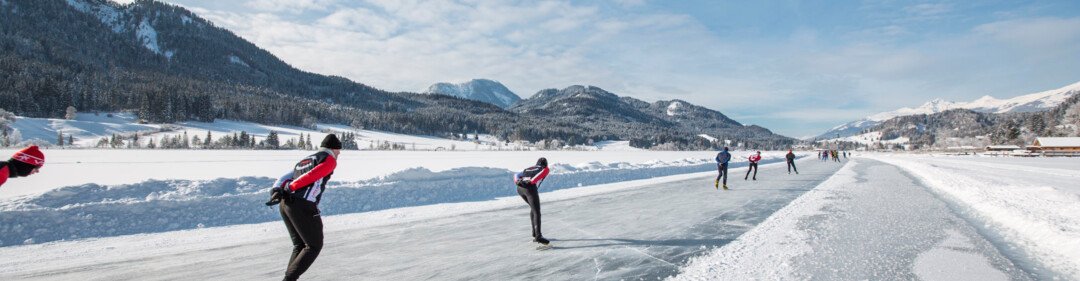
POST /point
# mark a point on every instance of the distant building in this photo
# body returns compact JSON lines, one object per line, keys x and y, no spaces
{"x":1056,"y":146}
{"x":1002,"y":150}
{"x":1005,"y":148}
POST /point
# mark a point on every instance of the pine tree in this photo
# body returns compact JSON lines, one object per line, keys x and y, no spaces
{"x":208,"y":141}
{"x":71,"y":139}
{"x":300,"y":144}
{"x":59,"y":138}
{"x":272,"y":140}
{"x":195,"y":141}
{"x":310,"y":146}
{"x":244,"y":139}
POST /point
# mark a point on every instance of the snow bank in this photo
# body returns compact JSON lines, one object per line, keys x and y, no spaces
{"x":93,"y":210}
{"x":1036,"y":209}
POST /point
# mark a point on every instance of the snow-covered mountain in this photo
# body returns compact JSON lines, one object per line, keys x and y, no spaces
{"x":483,"y":90}
{"x":1026,"y":103}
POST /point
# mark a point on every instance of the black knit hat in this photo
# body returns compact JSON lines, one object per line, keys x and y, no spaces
{"x":331,"y":141}
{"x":542,"y":162}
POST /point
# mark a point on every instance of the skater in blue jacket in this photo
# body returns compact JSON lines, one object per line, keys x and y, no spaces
{"x":722,"y":160}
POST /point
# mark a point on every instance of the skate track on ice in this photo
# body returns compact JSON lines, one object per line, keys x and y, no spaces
{"x":647,"y":232}
{"x":872,"y":221}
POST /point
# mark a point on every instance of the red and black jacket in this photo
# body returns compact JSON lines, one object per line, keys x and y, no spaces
{"x":309,"y":177}
{"x":531,"y":177}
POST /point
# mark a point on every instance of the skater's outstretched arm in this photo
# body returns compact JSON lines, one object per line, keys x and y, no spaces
{"x":540,"y":177}
{"x":322,"y":170}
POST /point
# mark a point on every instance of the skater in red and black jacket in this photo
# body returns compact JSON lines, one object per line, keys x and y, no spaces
{"x":24,"y":163}
{"x":528,"y":181}
{"x":754,"y":159}
{"x":299,"y":192}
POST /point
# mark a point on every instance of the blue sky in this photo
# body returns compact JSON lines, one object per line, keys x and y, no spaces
{"x":797,"y":67}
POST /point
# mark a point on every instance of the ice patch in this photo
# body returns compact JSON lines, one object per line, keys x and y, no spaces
{"x":955,"y":259}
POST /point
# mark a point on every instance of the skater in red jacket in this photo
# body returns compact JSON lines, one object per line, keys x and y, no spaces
{"x":753,"y":165}
{"x":528,"y":183}
{"x":24,"y":163}
{"x":299,"y":192}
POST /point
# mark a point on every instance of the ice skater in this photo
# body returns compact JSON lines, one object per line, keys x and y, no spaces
{"x":299,"y":192}
{"x":753,"y":165}
{"x":23,"y":163}
{"x":791,"y":162}
{"x":722,"y":160}
{"x":528,"y":183}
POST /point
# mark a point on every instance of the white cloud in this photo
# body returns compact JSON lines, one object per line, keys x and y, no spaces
{"x":1037,"y":34}
{"x":289,"y":6}
{"x":928,"y":10}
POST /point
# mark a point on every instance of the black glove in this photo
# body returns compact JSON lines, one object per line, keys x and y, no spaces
{"x":277,"y":194}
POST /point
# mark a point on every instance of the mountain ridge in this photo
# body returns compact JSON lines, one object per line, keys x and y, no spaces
{"x":1033,"y":102}
{"x":483,"y":90}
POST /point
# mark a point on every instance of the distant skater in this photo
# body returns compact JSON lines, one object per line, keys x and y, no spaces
{"x":24,"y":163}
{"x":835,"y":156}
{"x":299,"y":192}
{"x":722,"y":160}
{"x":753,"y":165}
{"x":791,"y":162}
{"x":528,"y":183}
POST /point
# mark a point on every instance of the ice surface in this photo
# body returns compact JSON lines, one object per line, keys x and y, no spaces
{"x":628,"y":230}
{"x":97,"y":210}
